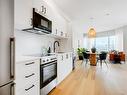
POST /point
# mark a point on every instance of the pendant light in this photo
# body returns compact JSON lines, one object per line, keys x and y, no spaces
{"x":91,"y":32}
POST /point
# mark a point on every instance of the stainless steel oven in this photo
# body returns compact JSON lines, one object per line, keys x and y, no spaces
{"x":48,"y":72}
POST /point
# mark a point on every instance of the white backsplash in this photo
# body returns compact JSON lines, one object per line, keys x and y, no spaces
{"x":28,"y":43}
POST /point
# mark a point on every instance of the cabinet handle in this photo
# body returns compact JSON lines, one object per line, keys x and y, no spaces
{"x":66,"y":56}
{"x":45,"y":11}
{"x":12,"y":58}
{"x":29,"y":75}
{"x":30,"y":63}
{"x":56,"y":31}
{"x":61,"y":33}
{"x":29,"y":88}
{"x":12,"y":89}
{"x":62,"y":57}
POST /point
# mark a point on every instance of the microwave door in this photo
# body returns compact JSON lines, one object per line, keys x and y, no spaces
{"x":8,"y":89}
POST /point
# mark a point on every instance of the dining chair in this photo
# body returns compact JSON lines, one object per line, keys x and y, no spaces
{"x":86,"y":56}
{"x":102,"y":57}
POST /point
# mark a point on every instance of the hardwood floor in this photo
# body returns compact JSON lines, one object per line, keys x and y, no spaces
{"x":94,"y":80}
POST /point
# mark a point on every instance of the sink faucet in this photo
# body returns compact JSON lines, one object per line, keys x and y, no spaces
{"x":55,"y":45}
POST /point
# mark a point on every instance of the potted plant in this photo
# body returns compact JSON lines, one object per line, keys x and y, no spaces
{"x":93,"y":49}
{"x":80,"y":53}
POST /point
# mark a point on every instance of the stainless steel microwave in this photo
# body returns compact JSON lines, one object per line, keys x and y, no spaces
{"x":40,"y":24}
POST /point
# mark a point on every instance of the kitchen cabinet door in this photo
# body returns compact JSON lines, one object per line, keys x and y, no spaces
{"x":56,"y":22}
{"x":60,"y":68}
{"x":41,"y":6}
{"x":23,"y":14}
{"x":63,"y":27}
{"x":64,"y":66}
{"x":68,"y":64}
{"x":44,"y":8}
{"x":54,"y":27}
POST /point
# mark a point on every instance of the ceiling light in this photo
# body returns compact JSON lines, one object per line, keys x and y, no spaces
{"x":91,"y":33}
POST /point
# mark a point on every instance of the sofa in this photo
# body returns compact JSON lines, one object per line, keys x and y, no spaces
{"x":113,"y":56}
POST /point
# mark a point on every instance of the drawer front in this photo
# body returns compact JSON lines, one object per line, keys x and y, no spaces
{"x":27,"y":66}
{"x":30,"y":89}
{"x":27,"y":73}
{"x":24,"y":81}
{"x":27,"y":70}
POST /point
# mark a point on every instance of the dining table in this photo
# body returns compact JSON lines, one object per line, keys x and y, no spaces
{"x":93,"y":58}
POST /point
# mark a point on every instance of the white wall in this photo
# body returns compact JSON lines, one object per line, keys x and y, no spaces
{"x":28,"y":43}
{"x":77,"y":37}
{"x":125,"y":40}
{"x":119,"y":39}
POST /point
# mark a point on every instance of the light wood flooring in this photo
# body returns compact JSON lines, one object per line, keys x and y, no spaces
{"x":94,"y":80}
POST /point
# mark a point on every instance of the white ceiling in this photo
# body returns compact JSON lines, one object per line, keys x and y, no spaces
{"x":80,"y":12}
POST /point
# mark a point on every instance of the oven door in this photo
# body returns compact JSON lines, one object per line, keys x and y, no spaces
{"x":48,"y":72}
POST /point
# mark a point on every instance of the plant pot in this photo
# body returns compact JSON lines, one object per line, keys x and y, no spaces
{"x":80,"y":58}
{"x":93,"y":50}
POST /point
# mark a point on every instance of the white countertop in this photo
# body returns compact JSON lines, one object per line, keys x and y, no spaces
{"x":61,"y":52}
{"x":21,"y":59}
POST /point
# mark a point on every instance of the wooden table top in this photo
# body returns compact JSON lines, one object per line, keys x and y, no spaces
{"x":93,"y":53}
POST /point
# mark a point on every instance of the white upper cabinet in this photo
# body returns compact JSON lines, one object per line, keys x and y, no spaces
{"x":58,"y":22}
{"x":59,"y":25}
{"x":23,"y":14}
{"x":43,"y":8}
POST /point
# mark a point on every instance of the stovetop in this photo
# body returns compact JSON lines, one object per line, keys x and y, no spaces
{"x":46,"y":58}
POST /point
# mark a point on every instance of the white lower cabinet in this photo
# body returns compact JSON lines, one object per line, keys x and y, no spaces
{"x":60,"y":69}
{"x":64,"y":66}
{"x":27,"y":78}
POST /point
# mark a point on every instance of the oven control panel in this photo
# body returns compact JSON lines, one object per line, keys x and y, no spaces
{"x":48,"y":59}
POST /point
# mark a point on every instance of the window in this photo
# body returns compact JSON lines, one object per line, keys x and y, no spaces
{"x":105,"y":43}
{"x":101,"y":43}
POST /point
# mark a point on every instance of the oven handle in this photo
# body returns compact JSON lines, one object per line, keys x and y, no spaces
{"x":48,"y":64}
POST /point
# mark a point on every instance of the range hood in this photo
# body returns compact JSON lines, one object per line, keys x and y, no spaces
{"x":36,"y":30}
{"x":40,"y":24}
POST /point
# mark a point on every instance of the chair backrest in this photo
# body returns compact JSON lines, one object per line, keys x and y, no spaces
{"x":86,"y":55}
{"x":103,"y":56}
